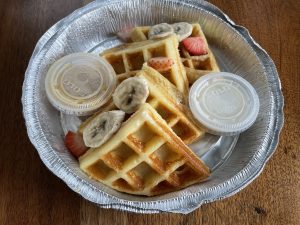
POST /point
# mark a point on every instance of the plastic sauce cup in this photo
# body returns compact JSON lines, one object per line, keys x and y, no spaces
{"x":224,"y":103}
{"x":80,"y":83}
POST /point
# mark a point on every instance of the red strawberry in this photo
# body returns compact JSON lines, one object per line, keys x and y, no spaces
{"x":125,"y":34}
{"x":195,"y":45}
{"x":74,"y":143}
{"x":161,"y":64}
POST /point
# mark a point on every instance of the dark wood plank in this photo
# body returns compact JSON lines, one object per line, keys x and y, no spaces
{"x":30,"y":194}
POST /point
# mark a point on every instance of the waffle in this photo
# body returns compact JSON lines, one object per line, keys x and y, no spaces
{"x":167,"y":101}
{"x":145,"y":157}
{"x":195,"y":66}
{"x":128,"y":59}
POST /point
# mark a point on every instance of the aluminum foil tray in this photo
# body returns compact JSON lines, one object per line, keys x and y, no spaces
{"x":235,"y":161}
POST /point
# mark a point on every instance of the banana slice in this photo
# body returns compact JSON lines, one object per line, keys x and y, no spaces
{"x":160,"y":30}
{"x":130,"y":94}
{"x":102,"y":127}
{"x":182,"y":30}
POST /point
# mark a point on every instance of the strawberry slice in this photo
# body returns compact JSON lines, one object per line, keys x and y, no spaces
{"x":75,"y":144}
{"x":125,"y":34}
{"x":161,"y":64}
{"x":195,"y":45}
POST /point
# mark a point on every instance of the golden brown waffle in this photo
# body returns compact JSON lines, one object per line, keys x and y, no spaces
{"x":195,"y":66}
{"x":128,"y":59}
{"x":145,"y":157}
{"x":167,"y":101}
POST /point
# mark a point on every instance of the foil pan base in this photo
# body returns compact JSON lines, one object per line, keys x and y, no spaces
{"x":89,"y":29}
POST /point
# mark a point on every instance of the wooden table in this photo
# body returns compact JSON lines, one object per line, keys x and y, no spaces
{"x":30,"y":194}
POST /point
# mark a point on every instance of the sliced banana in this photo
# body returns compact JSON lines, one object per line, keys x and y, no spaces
{"x":130,"y":94}
{"x":182,"y":30}
{"x":160,"y":30}
{"x":102,"y":127}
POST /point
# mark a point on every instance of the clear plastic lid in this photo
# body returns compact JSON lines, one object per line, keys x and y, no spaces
{"x":80,"y":83}
{"x":224,"y":103}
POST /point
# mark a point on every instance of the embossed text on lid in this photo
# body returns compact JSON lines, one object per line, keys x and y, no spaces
{"x":80,"y":81}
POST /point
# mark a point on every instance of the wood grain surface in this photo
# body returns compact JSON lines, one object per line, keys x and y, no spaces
{"x":30,"y":194}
